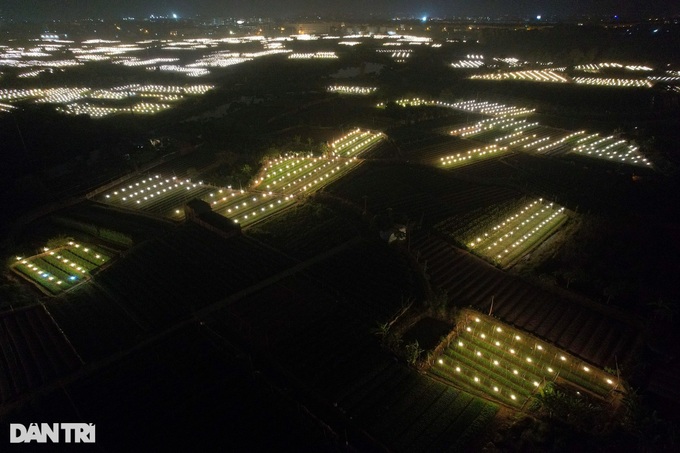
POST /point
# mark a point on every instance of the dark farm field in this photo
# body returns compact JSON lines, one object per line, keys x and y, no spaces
{"x":326,"y":343}
{"x":597,"y":335}
{"x":426,"y":195}
{"x":158,"y":283}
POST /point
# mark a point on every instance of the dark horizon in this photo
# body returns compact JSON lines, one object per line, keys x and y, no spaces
{"x":81,"y":9}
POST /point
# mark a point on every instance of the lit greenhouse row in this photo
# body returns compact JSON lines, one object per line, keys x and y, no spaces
{"x":347,"y":89}
{"x":596,"y":67}
{"x":511,"y":366}
{"x":74,"y":99}
{"x":544,"y":75}
{"x":610,"y":148}
{"x":355,"y":142}
{"x":614,"y":82}
{"x":95,"y":111}
{"x":518,"y":233}
{"x":313,"y":56}
{"x":473,"y":155}
{"x":467,"y":64}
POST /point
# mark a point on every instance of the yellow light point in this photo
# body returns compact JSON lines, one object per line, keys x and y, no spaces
{"x":498,"y":343}
{"x":458,"y":369}
{"x":529,"y":359}
{"x":539,"y":347}
{"x":479,"y":354}
{"x":476,"y":379}
{"x":585,"y":368}
{"x":460,"y":343}
{"x":468,"y":329}
{"x":517,"y":337}
{"x":495,"y":389}
{"x":495,"y":362}
{"x":513,"y":397}
{"x":515,"y":372}
{"x":536,"y":384}
{"x":483,"y":336}
{"x":498,"y":329}
{"x":550,"y":370}
{"x":563,"y":358}
{"x":441,"y":362}
{"x":609,"y":381}
{"x":477,"y":320}
{"x":512,"y":351}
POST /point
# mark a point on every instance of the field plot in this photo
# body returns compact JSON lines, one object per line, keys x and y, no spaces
{"x":515,"y":235}
{"x":583,"y":331}
{"x":427,"y":194}
{"x":327,"y":344}
{"x":32,"y":352}
{"x":61,"y":268}
{"x":611,"y":148}
{"x":510,"y":366}
{"x":275,"y":188}
{"x":472,"y":156}
{"x":472,"y":106}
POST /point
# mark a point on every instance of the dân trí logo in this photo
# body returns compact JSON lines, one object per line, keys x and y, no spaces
{"x":43,"y":433}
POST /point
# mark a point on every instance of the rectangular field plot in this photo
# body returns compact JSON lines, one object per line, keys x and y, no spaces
{"x":513,"y":236}
{"x":61,"y":268}
{"x":472,"y":156}
{"x":355,"y":143}
{"x":164,"y":196}
{"x":510,"y":366}
{"x":610,"y":148}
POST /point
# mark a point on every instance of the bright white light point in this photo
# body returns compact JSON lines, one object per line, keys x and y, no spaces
{"x":498,"y":343}
{"x":550,"y":370}
{"x":585,"y":368}
{"x":515,"y":372}
{"x":483,"y":336}
{"x":476,"y":319}
{"x":460,"y":343}
{"x":538,"y":17}
{"x":536,"y":384}
{"x":441,"y":361}
{"x":458,"y":369}
{"x":498,"y":329}
{"x":609,"y":381}
{"x":517,"y":337}
{"x":495,"y":362}
{"x":513,"y":397}
{"x":529,"y":359}
{"x":479,"y":354}
{"x":563,"y":358}
{"x":540,"y":348}
{"x":512,"y":351}
{"x":468,"y":329}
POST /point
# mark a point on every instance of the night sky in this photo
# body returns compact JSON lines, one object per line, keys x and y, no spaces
{"x":70,"y":9}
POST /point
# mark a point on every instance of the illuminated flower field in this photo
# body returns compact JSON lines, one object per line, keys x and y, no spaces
{"x":61,"y":268}
{"x":490,"y":357}
{"x":275,"y":188}
{"x":519,"y":232}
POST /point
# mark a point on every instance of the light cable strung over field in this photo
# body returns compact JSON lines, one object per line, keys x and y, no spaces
{"x":510,"y":366}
